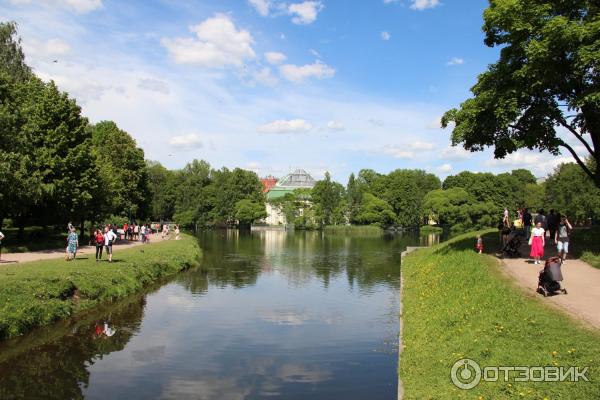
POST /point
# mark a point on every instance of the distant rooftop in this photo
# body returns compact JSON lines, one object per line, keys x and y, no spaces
{"x":297,"y":179}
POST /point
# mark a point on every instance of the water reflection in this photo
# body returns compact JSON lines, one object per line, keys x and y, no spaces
{"x":271,"y":313}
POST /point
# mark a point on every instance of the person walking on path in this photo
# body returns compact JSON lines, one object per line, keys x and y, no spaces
{"x":109,"y":238}
{"x":143,"y":233}
{"x":537,"y":242}
{"x":99,"y":239}
{"x":561,"y":238}
{"x":176,"y":232}
{"x":527,"y":223}
{"x":72,"y":244}
{"x":1,"y":237}
{"x":552,"y":221}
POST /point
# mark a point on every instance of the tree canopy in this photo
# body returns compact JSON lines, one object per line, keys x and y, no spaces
{"x":544,"y":91}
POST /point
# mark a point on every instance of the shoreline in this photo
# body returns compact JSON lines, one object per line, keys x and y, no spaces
{"x":38,"y":293}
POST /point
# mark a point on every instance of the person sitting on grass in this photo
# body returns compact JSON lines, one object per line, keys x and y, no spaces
{"x":479,"y":244}
{"x":109,"y":238}
{"x":72,"y":244}
{"x":562,"y":238}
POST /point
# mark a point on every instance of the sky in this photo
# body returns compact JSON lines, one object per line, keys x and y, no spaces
{"x":272,"y":85}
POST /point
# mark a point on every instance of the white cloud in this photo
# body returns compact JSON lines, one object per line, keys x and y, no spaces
{"x":424,"y":4}
{"x":275,"y":58}
{"x":456,"y":153}
{"x":153,"y":85}
{"x":445,"y":168}
{"x":261,"y":6}
{"x":385,"y":35}
{"x":296,"y":73}
{"x":397,"y":152}
{"x":456,"y":61}
{"x":421,"y":146}
{"x":314,"y":53}
{"x":305,"y":13}
{"x":49,"y":48}
{"x":186,"y":142}
{"x":286,"y":126}
{"x":335,"y":126}
{"x":79,"y":6}
{"x":390,"y":1}
{"x":264,"y":76}
{"x":218,"y":43}
{"x":538,"y":163}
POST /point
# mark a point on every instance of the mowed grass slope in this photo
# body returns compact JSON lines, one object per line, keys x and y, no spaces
{"x":41,"y":292}
{"x":457,"y":304}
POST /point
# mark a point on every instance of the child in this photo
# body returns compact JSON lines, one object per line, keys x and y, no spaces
{"x":479,"y":245}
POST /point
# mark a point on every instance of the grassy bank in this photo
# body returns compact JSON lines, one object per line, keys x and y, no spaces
{"x":38,"y":293}
{"x":585,"y":244}
{"x":353,"y":229}
{"x":427,"y":229}
{"x":457,"y":304}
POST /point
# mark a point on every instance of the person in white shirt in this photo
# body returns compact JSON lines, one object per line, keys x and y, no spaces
{"x":537,"y":242}
{"x":109,"y":238}
{"x":1,"y":237}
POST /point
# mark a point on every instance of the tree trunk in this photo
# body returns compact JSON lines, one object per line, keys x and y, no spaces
{"x":592,"y":126}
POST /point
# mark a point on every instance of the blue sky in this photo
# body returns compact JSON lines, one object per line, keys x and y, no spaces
{"x":270,"y":85}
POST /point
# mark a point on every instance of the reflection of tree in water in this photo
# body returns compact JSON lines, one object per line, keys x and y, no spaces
{"x":237,"y":258}
{"x":51,"y":363}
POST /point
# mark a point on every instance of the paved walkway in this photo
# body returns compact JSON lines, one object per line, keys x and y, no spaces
{"x":581,"y":280}
{"x":86,"y":251}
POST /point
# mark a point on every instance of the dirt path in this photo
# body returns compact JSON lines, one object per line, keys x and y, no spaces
{"x":580,"y":279}
{"x":86,"y":251}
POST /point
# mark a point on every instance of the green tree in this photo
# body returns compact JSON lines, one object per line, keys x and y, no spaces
{"x":547,"y":77}
{"x":404,"y":190}
{"x":571,"y":192}
{"x":123,"y":170}
{"x":354,"y":193}
{"x":534,"y":196}
{"x":458,"y":209}
{"x":374,"y":210}
{"x":248,"y":211}
{"x":326,"y":196}
{"x":163,"y":191}
{"x":12,"y":58}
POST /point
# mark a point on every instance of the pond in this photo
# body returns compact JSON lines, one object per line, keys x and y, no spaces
{"x":267,"y":314}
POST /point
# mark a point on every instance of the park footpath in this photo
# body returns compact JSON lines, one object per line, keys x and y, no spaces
{"x":83,"y":252}
{"x":581,"y":280}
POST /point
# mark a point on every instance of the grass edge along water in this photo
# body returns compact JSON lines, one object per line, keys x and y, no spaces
{"x":38,"y":293}
{"x":458,"y":304}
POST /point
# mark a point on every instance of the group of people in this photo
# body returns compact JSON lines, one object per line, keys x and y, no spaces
{"x":103,"y":239}
{"x":554,"y":225}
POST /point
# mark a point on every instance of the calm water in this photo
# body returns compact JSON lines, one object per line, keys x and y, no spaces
{"x":266,"y":315}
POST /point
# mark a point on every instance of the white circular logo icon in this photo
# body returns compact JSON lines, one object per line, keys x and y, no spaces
{"x":465,"y":374}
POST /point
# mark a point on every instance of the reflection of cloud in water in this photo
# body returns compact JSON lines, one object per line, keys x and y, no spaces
{"x":205,"y":388}
{"x":243,"y":382}
{"x":296,"y":318}
{"x":301,"y":374}
{"x":150,"y":354}
{"x":284,"y":317}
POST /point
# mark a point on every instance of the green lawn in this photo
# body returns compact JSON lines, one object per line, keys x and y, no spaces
{"x":38,"y":293}
{"x":585,"y":244}
{"x":457,"y":304}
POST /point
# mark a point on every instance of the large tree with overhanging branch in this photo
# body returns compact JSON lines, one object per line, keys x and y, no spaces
{"x":544,"y":91}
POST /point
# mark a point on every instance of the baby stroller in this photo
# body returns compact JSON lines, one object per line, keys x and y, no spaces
{"x":513,"y":245}
{"x":550,"y":277}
